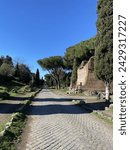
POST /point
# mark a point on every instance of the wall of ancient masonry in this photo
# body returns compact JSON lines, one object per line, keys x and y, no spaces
{"x":87,"y":78}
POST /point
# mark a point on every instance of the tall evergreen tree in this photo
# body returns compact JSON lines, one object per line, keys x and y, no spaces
{"x":74,"y":73}
{"x":104,"y":43}
{"x":37,"y":78}
{"x":17,"y":71}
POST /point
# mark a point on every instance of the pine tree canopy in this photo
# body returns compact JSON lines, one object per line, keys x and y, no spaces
{"x":81,"y":51}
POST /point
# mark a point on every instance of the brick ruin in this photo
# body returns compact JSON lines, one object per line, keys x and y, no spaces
{"x":86,"y":78}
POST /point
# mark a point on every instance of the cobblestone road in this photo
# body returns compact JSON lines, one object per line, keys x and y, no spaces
{"x":56,"y":124}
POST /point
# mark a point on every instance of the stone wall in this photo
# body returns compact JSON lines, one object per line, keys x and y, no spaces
{"x":86,"y":77}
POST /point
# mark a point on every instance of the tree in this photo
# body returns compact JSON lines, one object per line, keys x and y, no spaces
{"x":1,"y":60}
{"x":8,"y":60}
{"x":74,"y":73}
{"x":68,"y":79}
{"x":6,"y":70}
{"x":17,"y":71}
{"x":42,"y":81}
{"x":74,"y":55}
{"x":104,"y":43}
{"x":24,"y":73}
{"x":54,"y":65}
{"x":50,"y":82}
{"x":81,"y":51}
{"x":37,"y":77}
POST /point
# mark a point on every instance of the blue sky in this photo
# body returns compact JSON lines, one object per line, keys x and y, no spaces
{"x":35,"y":29}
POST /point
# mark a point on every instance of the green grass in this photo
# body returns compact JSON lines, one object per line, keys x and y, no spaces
{"x":14,"y":88}
{"x":105,"y":119}
{"x":12,"y":134}
{"x":3,"y":123}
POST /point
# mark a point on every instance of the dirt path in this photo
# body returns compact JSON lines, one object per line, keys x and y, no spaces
{"x":56,"y":124}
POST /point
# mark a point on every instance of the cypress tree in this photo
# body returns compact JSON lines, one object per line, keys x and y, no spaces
{"x":104,"y":43}
{"x":74,"y":73}
{"x":37,"y":78}
{"x":17,"y":73}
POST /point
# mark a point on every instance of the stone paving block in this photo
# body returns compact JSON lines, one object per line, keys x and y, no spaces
{"x":59,"y":125}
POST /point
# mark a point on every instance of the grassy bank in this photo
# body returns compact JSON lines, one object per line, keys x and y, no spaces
{"x":11,"y":134}
{"x":15,"y":88}
{"x":11,"y":128}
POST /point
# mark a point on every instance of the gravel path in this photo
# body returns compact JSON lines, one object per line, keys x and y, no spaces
{"x":56,"y":124}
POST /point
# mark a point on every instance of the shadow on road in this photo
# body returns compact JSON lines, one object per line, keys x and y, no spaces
{"x":8,"y":108}
{"x":18,"y":98}
{"x":62,"y":108}
{"x":53,"y":99}
{"x":55,"y":109}
{"x":52,"y":108}
{"x":98,"y":105}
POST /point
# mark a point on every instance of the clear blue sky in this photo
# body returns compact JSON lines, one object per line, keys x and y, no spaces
{"x":35,"y":29}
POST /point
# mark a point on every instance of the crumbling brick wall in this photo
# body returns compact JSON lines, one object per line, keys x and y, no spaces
{"x":86,"y":77}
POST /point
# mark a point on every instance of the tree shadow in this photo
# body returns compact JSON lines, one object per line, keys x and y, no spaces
{"x":53,"y":108}
{"x":63,"y":108}
{"x":54,"y":99}
{"x":9,"y":108}
{"x":98,"y":105}
{"x":18,"y":98}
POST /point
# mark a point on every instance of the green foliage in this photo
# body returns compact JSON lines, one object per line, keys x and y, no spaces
{"x":66,"y":80}
{"x":23,"y":73}
{"x":74,"y":73}
{"x":7,"y":60}
{"x":13,"y":132}
{"x":6,"y":70}
{"x":37,"y":77}
{"x":54,"y":65}
{"x":81,"y":51}
{"x":50,"y":82}
{"x":17,"y":70}
{"x":51,"y":63}
{"x":74,"y":55}
{"x":104,"y":41}
{"x":14,"y":88}
{"x":8,"y":73}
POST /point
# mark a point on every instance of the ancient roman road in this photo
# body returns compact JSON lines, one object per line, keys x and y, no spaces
{"x":56,"y":124}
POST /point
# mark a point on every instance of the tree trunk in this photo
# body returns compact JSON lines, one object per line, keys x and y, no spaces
{"x":57,"y":84}
{"x":107,"y":91}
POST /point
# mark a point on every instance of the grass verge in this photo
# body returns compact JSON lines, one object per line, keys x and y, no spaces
{"x":3,"y":124}
{"x":104,"y":118}
{"x":12,"y":131}
{"x":10,"y":136}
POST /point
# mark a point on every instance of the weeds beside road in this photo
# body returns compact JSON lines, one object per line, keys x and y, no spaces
{"x":11,"y":125}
